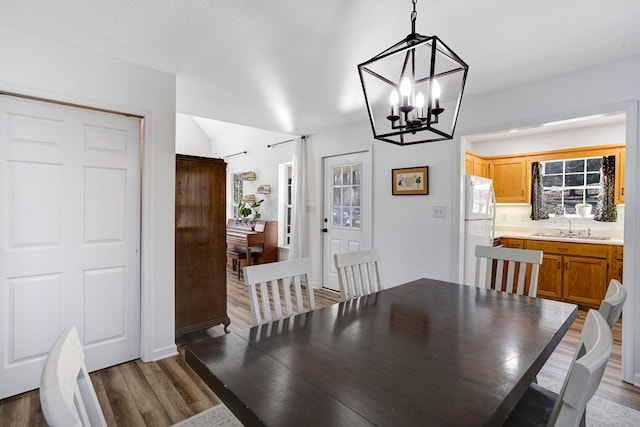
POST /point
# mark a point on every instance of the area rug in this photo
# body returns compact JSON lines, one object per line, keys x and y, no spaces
{"x":218,"y":416}
{"x":600,"y":413}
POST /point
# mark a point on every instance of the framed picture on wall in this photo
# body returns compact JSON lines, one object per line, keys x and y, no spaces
{"x":410,"y":180}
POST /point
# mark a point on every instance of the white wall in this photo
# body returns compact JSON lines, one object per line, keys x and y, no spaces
{"x":190,"y":139}
{"x":411,"y":242}
{"x":37,"y":67}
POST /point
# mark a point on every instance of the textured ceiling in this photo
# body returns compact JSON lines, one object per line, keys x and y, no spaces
{"x":290,"y":66}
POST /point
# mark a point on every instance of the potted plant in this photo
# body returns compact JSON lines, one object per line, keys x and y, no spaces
{"x":256,"y":208}
{"x":243,"y":210}
{"x":583,"y":209}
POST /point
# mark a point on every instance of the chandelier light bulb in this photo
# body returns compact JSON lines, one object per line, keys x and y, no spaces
{"x":420,"y":105}
{"x":405,"y":87}
{"x":435,"y":91}
{"x":393,"y":101}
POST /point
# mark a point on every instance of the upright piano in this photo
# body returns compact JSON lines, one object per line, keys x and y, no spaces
{"x":260,"y":237}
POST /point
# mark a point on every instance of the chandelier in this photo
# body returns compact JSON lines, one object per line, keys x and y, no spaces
{"x":407,"y":87}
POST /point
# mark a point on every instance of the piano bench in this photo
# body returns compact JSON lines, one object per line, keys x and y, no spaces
{"x":236,"y":258}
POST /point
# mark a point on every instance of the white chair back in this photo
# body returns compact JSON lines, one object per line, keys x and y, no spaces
{"x":506,"y":260}
{"x":585,"y":372}
{"x":66,"y":392}
{"x":291,"y":274}
{"x":611,"y":305}
{"x":358,"y":273}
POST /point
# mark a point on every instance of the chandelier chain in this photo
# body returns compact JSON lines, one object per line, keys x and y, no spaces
{"x":414,"y":14}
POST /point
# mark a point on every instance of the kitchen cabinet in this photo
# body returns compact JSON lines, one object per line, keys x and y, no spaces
{"x":616,"y":272}
{"x":512,"y":243}
{"x":573,"y":272}
{"x":620,"y":161}
{"x":476,"y":165}
{"x":510,"y":179}
{"x":200,"y":244}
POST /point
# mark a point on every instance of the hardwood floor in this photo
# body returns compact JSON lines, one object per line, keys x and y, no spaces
{"x":167,"y":391}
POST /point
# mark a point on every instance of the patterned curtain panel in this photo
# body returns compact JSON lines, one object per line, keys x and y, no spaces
{"x":538,"y":203}
{"x":605,"y":210}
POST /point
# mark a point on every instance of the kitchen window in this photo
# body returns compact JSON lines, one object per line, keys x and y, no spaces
{"x":569,"y":182}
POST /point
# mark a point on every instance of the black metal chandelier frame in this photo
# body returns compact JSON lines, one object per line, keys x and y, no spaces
{"x":401,"y":123}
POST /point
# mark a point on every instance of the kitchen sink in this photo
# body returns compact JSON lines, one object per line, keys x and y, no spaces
{"x":570,"y":236}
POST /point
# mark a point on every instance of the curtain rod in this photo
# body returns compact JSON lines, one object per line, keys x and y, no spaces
{"x":284,"y":142}
{"x":236,"y":154}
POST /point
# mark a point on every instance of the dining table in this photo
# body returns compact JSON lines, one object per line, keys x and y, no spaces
{"x":427,"y":352}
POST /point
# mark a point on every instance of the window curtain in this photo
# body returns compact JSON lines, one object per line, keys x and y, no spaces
{"x":538,"y":203}
{"x":605,"y":210}
{"x":297,"y":199}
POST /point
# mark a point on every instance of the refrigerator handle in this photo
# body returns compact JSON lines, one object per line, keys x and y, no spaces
{"x":493,"y":214}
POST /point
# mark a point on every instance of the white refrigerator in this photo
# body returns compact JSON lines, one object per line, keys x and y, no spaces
{"x":479,"y":221}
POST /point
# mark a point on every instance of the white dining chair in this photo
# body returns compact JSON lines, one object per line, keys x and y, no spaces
{"x":358,"y":273}
{"x":506,"y":261}
{"x":542,"y":407}
{"x":67,"y":396}
{"x":611,"y":305}
{"x":267,"y":277}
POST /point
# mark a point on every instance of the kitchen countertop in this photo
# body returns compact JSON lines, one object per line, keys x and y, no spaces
{"x":528,"y":235}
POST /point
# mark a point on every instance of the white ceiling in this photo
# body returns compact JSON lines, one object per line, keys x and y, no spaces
{"x":290,"y":65}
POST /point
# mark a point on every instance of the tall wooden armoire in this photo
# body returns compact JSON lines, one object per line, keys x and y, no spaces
{"x":201,"y":278}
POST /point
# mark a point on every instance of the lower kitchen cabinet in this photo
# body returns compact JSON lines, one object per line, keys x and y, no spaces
{"x":574,"y":272}
{"x":585,"y":280}
{"x":617,"y":264}
{"x":550,"y":277}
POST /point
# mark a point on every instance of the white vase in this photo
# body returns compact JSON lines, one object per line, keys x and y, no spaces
{"x":583,"y":210}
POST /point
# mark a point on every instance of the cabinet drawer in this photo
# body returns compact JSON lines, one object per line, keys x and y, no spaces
{"x":584,"y":249}
{"x":512,"y":243}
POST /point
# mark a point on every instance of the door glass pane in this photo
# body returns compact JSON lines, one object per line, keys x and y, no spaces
{"x":355,"y":196}
{"x":337,"y":175}
{"x":356,"y":217}
{"x":346,"y":193}
{"x":336,"y":217}
{"x":346,"y":174}
{"x":337,"y":196}
{"x":346,"y":217}
{"x":347,"y":196}
{"x":357,"y":169}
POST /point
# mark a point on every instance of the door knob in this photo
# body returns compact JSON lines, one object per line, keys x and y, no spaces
{"x":324,"y":230}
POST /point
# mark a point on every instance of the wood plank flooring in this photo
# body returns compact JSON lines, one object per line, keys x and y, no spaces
{"x":167,"y":391}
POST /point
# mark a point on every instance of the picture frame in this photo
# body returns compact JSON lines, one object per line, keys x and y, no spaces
{"x":410,"y":181}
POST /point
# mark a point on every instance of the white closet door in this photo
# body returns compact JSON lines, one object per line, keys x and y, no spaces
{"x":70,"y":240}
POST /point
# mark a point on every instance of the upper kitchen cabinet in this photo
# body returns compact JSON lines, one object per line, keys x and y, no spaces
{"x":476,"y":165}
{"x":510,"y":179}
{"x":620,"y":176}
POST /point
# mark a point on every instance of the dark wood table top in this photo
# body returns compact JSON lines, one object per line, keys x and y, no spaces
{"x":424,"y":353}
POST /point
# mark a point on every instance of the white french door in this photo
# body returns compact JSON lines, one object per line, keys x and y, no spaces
{"x":70,"y":241}
{"x":347,"y":209}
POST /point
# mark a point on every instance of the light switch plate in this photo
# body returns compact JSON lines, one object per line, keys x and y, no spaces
{"x":439,"y":211}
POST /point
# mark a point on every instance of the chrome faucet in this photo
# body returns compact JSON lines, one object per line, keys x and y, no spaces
{"x":555,"y":219}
